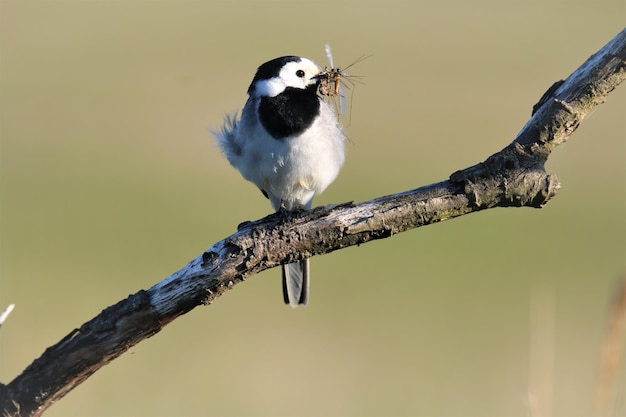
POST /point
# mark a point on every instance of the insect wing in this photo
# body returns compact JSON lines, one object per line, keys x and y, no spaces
{"x":329,"y":56}
{"x":336,"y":80}
{"x":342,"y":100}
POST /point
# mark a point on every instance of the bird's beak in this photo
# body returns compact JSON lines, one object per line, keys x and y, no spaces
{"x":322,"y":75}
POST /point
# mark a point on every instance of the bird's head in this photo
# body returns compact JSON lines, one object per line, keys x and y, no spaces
{"x":273,"y":77}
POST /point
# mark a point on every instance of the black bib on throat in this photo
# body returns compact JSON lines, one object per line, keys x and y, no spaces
{"x":289,"y":113}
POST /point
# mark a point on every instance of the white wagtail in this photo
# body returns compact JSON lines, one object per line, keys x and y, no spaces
{"x":289,"y":143}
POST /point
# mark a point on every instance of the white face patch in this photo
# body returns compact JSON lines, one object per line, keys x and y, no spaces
{"x":293,"y":74}
{"x":269,"y":88}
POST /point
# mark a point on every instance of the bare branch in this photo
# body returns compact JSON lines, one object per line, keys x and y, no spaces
{"x":513,"y":177}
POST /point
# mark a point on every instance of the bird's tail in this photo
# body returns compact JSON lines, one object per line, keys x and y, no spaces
{"x":296,"y":283}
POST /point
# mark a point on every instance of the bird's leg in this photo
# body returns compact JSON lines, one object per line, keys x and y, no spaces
{"x":282,"y":211}
{"x":295,"y":211}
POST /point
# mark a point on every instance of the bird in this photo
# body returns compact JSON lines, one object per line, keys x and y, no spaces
{"x":289,"y":143}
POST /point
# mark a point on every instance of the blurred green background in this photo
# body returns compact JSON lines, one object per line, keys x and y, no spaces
{"x":110,"y":182}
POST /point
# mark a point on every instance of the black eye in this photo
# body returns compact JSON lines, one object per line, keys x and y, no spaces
{"x":300,"y":73}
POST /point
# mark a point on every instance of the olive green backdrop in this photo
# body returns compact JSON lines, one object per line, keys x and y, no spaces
{"x":110,"y":181}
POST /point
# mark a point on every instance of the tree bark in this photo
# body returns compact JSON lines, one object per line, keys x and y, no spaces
{"x":512,"y":177}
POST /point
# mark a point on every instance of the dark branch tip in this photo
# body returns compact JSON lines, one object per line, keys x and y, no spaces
{"x":546,"y":96}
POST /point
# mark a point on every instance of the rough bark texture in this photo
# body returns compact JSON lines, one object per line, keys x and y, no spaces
{"x":515,"y":176}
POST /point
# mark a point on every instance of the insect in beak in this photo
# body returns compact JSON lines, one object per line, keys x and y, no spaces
{"x":332,"y":80}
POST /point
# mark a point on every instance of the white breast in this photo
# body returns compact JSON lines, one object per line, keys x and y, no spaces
{"x":291,"y":170}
